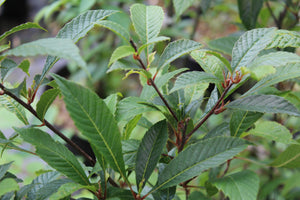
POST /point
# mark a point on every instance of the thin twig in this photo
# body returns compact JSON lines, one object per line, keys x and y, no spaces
{"x":196,"y":22}
{"x":251,"y":161}
{"x":211,"y":111}
{"x":151,"y":81}
{"x":50,"y":126}
{"x":272,"y":14}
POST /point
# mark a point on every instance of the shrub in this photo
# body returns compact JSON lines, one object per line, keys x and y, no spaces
{"x":200,"y":145}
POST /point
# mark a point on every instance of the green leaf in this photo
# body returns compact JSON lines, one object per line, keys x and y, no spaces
{"x":76,"y":29}
{"x":194,"y":94}
{"x":21,"y":27}
{"x":14,"y":107}
{"x":31,"y":190}
{"x":265,"y":104}
{"x":8,"y":144}
{"x":86,"y":5}
{"x":122,"y":65}
{"x":132,"y":106}
{"x":4,"y":47}
{"x":130,"y":126}
{"x":196,"y":195}
{"x":116,"y":28}
{"x":198,"y":157}
{"x":275,"y":59}
{"x":8,"y":185}
{"x":112,"y":101}
{"x":152,"y":41}
{"x":4,"y":168}
{"x":149,"y":152}
{"x":181,"y":5}
{"x":272,"y":131}
{"x":50,"y":188}
{"x":121,"y":52}
{"x":147,"y":21}
{"x":242,"y":185}
{"x":290,"y":158}
{"x":55,"y":154}
{"x":176,"y":49}
{"x":286,"y":72}
{"x":114,"y":193}
{"x":291,"y":184}
{"x":6,"y":65}
{"x":66,"y":190}
{"x":267,"y":188}
{"x":241,"y":120}
{"x":220,"y":130}
{"x":249,"y":10}
{"x":210,"y":189}
{"x":129,"y":149}
{"x":213,"y":99}
{"x":285,"y":38}
{"x":45,"y":101}
{"x":190,"y":79}
{"x":249,"y":45}
{"x":209,"y":63}
{"x":149,"y":92}
{"x":24,"y":66}
{"x":224,"y":44}
{"x":165,"y":194}
{"x":62,"y":48}
{"x":95,"y":121}
{"x":82,"y":24}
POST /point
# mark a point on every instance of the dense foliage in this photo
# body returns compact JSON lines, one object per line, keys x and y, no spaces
{"x":226,"y":130}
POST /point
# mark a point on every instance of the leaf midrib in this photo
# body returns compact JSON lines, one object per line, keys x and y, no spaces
{"x":251,"y":91}
{"x":240,"y":124}
{"x":288,"y":161}
{"x":99,"y":132}
{"x":250,"y":48}
{"x":66,"y":160}
{"x":181,"y":172}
